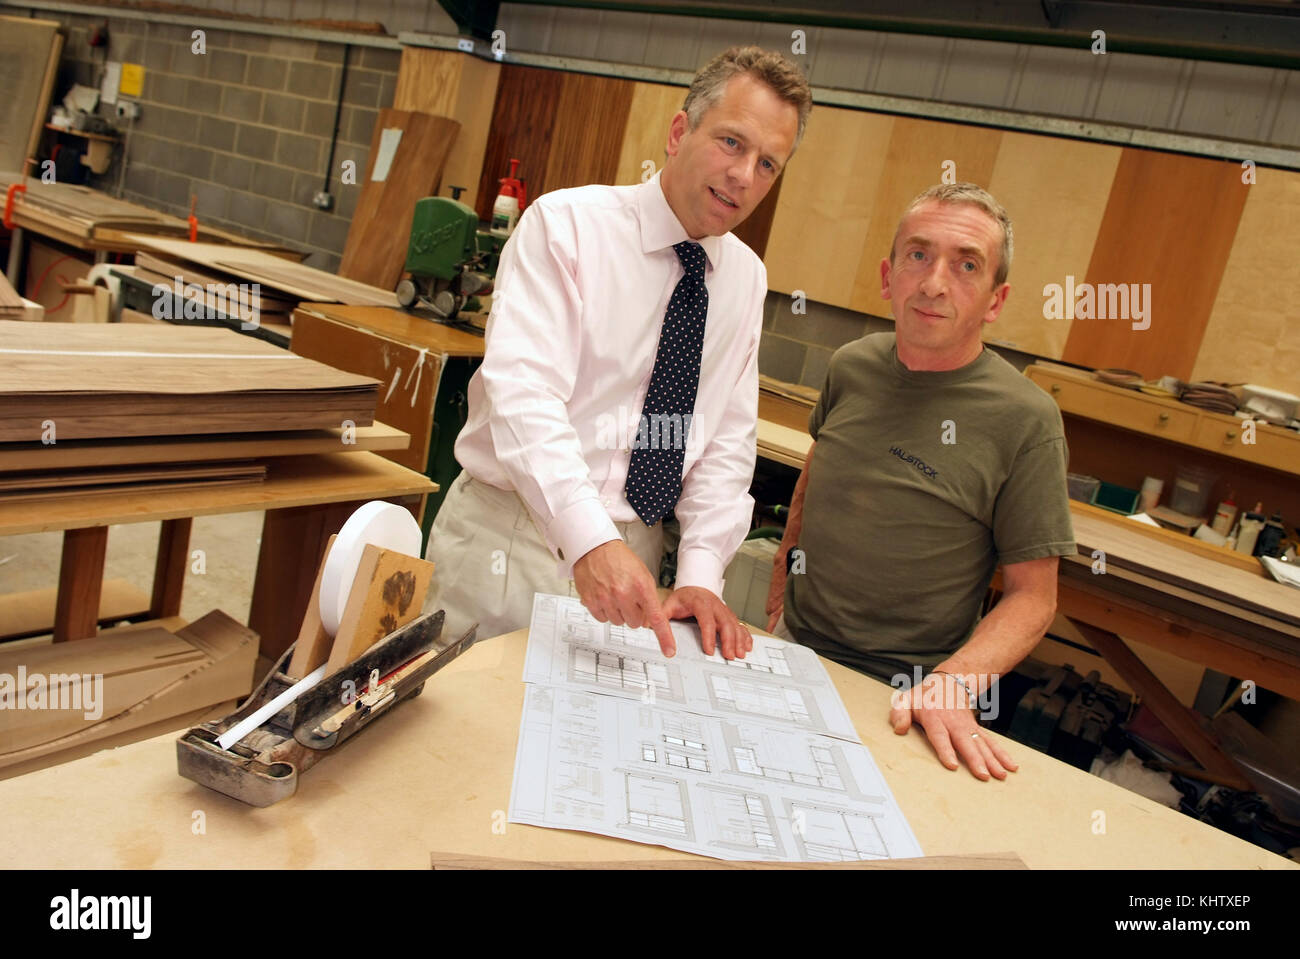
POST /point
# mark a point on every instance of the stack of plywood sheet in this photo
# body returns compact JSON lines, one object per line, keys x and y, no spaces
{"x":88,"y":218}
{"x":138,"y":405}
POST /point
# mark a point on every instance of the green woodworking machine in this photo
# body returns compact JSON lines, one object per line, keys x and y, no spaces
{"x":451,"y":261}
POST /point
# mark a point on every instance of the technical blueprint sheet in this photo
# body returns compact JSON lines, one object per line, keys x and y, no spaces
{"x":751,"y":760}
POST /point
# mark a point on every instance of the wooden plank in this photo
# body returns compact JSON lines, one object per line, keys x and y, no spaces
{"x":1169,"y":562}
{"x":170,"y":566}
{"x":1055,"y":191}
{"x":300,"y":282}
{"x":375,"y":251}
{"x":291,"y":481}
{"x":645,"y":135}
{"x":387,"y":593}
{"x":69,"y":454}
{"x":1177,"y":717}
{"x":1151,"y":233}
{"x":30,"y":49}
{"x":117,"y":476}
{"x":1250,"y":337}
{"x":31,"y":613}
{"x":81,"y":580}
{"x":523,"y":119}
{"x":915,"y":156}
{"x":1220,"y":554}
{"x":826,"y":205}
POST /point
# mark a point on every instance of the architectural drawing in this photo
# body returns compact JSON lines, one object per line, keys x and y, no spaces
{"x":724,"y":785}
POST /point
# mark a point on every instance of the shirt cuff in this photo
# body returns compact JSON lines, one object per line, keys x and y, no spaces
{"x":576,"y":531}
{"x":699,"y":567}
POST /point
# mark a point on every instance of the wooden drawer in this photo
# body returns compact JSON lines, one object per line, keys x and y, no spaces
{"x":1123,"y":408}
{"x":1273,"y":446}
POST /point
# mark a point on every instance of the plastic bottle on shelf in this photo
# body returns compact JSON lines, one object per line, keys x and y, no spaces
{"x":1251,"y":524}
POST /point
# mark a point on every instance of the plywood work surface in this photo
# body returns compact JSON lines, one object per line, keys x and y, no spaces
{"x":432,"y":775}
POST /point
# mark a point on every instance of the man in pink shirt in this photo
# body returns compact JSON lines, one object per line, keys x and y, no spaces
{"x":620,"y":382}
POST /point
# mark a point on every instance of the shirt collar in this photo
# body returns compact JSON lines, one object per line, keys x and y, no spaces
{"x":660,"y":228}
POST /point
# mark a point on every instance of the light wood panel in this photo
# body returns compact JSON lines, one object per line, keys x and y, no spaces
{"x":828,"y":195}
{"x":1055,"y":191}
{"x":1170,"y":222}
{"x":651,"y":111}
{"x":914,"y":161}
{"x":1253,"y":334}
{"x":446,"y":759}
{"x":456,"y":85}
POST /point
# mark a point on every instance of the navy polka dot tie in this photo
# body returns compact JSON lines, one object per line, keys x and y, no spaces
{"x":654,"y":474}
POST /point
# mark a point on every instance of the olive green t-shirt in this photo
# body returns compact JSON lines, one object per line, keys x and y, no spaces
{"x":921,"y":484}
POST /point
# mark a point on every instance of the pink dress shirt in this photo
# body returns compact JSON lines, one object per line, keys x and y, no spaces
{"x":581,"y":292}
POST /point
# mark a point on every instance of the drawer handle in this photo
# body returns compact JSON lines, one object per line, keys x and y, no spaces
{"x":1230,"y":436}
{"x":1163,"y":417}
{"x":1056,"y":387}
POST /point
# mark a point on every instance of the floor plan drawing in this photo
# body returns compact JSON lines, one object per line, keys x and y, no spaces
{"x":743,"y":780}
{"x":776,"y":681}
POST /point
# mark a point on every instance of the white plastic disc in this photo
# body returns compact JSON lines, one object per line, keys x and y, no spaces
{"x":378,"y":523}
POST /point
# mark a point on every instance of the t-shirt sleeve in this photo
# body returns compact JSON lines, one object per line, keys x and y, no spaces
{"x":818,"y":415}
{"x":1031,"y":516}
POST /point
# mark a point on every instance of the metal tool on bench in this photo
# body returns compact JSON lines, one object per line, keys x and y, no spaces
{"x":327,"y":688}
{"x":450,"y":260}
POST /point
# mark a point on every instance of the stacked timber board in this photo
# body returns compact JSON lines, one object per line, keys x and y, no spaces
{"x":116,"y":380}
{"x":90,"y":409}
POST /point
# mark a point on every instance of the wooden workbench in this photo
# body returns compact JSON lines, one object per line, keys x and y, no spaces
{"x":436,"y":775}
{"x":306,"y":498}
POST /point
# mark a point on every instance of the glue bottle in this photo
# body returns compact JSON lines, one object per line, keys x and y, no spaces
{"x":505,"y":212}
{"x":1251,"y":524}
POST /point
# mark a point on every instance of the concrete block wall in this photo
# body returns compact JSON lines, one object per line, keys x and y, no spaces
{"x":245,"y":127}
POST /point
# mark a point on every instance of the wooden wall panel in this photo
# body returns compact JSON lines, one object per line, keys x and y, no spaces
{"x":590,"y":120}
{"x":826,"y":203}
{"x":522,"y":120}
{"x":1253,"y":334}
{"x":652,"y":110}
{"x":1055,"y":191}
{"x":452,"y":84}
{"x":914,"y":161}
{"x":1170,"y":222}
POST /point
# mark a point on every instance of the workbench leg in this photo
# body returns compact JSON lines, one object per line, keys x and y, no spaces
{"x":81,"y":581}
{"x":1180,"y":720}
{"x":293,"y":545}
{"x":170,"y":567}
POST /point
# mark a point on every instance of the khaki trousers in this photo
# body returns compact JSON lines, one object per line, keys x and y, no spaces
{"x":490,"y":559}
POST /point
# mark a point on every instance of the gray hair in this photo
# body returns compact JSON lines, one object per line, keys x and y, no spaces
{"x":781,"y":75}
{"x":974,"y":195}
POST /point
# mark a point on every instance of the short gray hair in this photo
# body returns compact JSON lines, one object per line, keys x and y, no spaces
{"x":974,"y":195}
{"x":779,"y":73}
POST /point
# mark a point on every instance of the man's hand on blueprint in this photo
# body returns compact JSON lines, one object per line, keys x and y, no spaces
{"x":616,"y":587}
{"x":940,"y":705}
{"x":713,"y":617}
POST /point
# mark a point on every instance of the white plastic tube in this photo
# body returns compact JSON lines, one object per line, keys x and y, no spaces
{"x":241,"y":729}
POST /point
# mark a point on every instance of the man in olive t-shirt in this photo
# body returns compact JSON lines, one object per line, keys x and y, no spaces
{"x":933,"y":463}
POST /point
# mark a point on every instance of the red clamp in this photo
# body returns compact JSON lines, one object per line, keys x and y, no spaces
{"x":10,"y":196}
{"x":192,"y":219}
